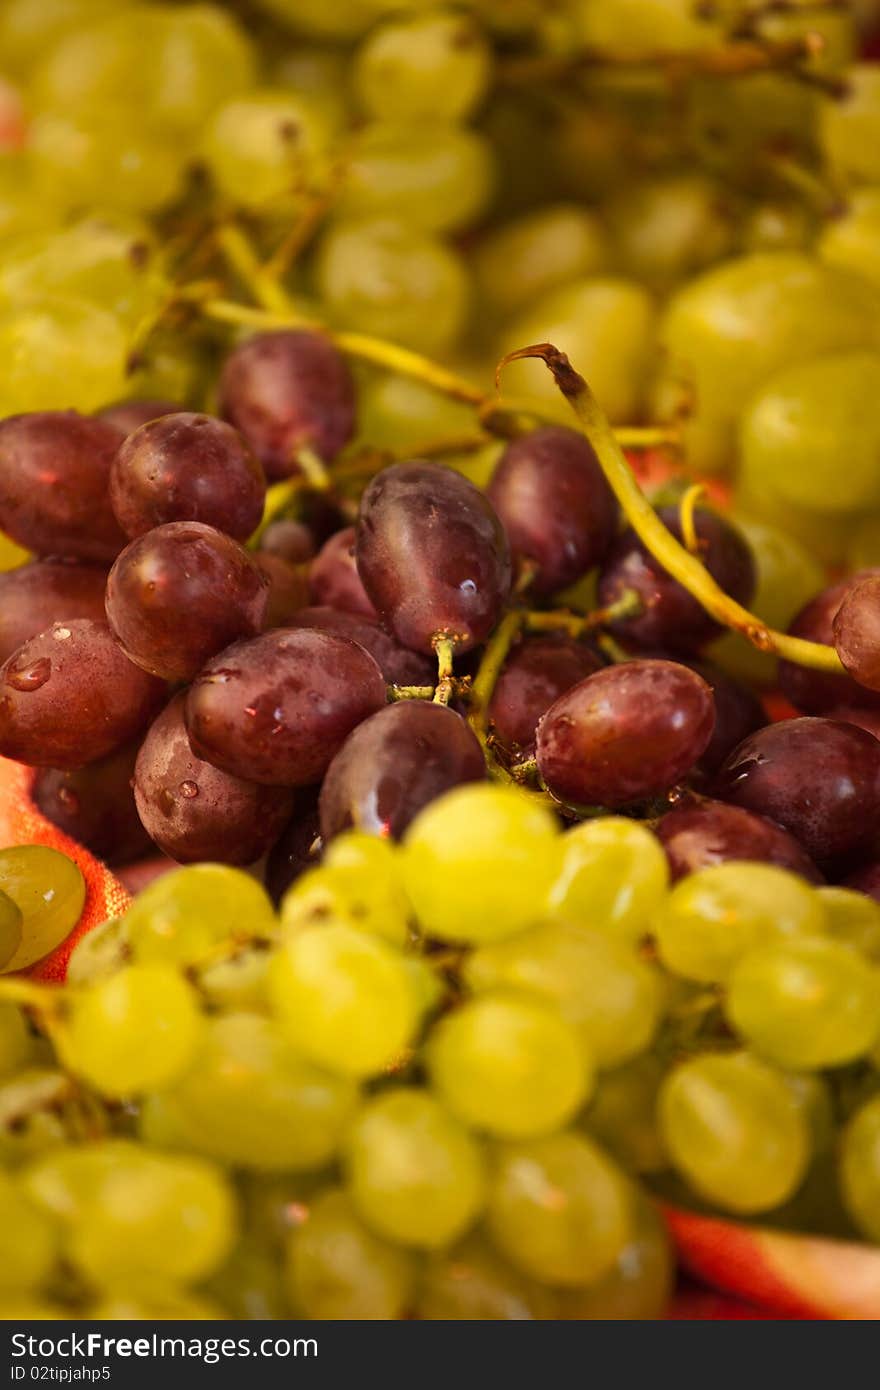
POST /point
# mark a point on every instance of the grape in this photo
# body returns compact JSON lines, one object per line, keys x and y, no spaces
{"x":70,"y":696}
{"x":194,"y":811}
{"x":826,"y":536}
{"x":250,"y":1101}
{"x":206,"y":56}
{"x":278,"y":708}
{"x":179,"y":594}
{"x":89,"y":158}
{"x":714,"y":916}
{"x":287,"y":593}
{"x":94,"y":805}
{"x":334,"y":581}
{"x":186,"y":915}
{"x":853,"y":918}
{"x":265,"y":150}
{"x":611,"y":875}
{"x":783,"y":224}
{"x":394,"y":764}
{"x":666,"y":227}
{"x":430,"y":67}
{"x":336,"y":1268}
{"x":54,"y":469}
{"x":555,"y":505}
{"x":16,"y":1044}
{"x":478,"y":863}
{"x":99,"y":953}
{"x":849,"y":127}
{"x":711,"y":832}
{"x":136,"y":1031}
{"x":857,"y":633}
{"x":818,"y":691}
{"x":34,"y":596}
{"x":536,"y":673}
{"x":186,"y":467}
{"x":625,"y":733}
{"x":537,"y":252}
{"x":818,"y":778}
{"x":735,"y":128}
{"x":385,"y":278}
{"x":176,"y":1307}
{"x":805,"y":1004}
{"x":670,"y":617}
{"x":636,"y":26}
{"x":358,"y":881}
{"x":432,"y":555}
{"x":60,"y":352}
{"x":297,"y":849}
{"x":471,"y":1283}
{"x":851,"y":240}
{"x":860,"y":1169}
{"x":398,"y":665}
{"x":559,"y":1210}
{"x":25,"y":34}
{"x":10,"y":929}
{"x":738,"y":712}
{"x":638,"y":1287}
{"x":509,"y":1065}
{"x":734,"y":1131}
{"x":291,"y":540}
{"x":27,"y":1241}
{"x":287,"y":391}
{"x":414,"y":1174}
{"x":433,"y":177}
{"x":48,"y":891}
{"x":622,"y":1114}
{"x":866,"y":880}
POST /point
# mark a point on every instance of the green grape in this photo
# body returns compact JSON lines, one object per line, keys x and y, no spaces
{"x":639,"y":1286}
{"x":337,"y":1269}
{"x":414,"y":1174}
{"x":107,"y":157}
{"x":430,"y":67}
{"x":795,"y":428}
{"x":472,"y":1283}
{"x":825,"y":535}
{"x":401,"y":414}
{"x":622,"y":1114}
{"x":60,"y":353}
{"x":176,"y":1307}
{"x":852,"y":240}
{"x":27,"y":1241}
{"x":40,"y":1109}
{"x":433,"y":178}
{"x":713,"y":917}
{"x":559,"y":1209}
{"x":238,"y":982}
{"x":613,"y":876}
{"x":731,"y":328}
{"x":849,"y":129}
{"x":249,"y":1100}
{"x":669,"y":226}
{"x":738,"y":128}
{"x":250,"y":1284}
{"x":344,"y":19}
{"x":108,"y":62}
{"x":478,"y":863}
{"x":48,"y":890}
{"x":863,"y":551}
{"x":640,"y":26}
{"x":538,"y":252}
{"x":136,"y":1031}
{"x":780,"y":225}
{"x":385,"y":278}
{"x":10,"y":929}
{"x":205,"y":58}
{"x":860,"y":1169}
{"x":62,"y":1182}
{"x":171,"y":367}
{"x":610,"y":997}
{"x":22,"y":210}
{"x":805,"y":1004}
{"x":27,"y":30}
{"x":734,"y":1130}
{"x":16,"y":1044}
{"x":606,"y":326}
{"x":182,"y":917}
{"x":359,"y":881}
{"x":509,"y":1065}
{"x":343,"y":999}
{"x":321,"y":76}
{"x":266,"y":151}
{"x":854,"y":919}
{"x":99,"y":953}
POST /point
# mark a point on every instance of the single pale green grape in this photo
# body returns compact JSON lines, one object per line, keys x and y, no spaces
{"x":16,"y":1043}
{"x":11,"y":920}
{"x":734,"y":1130}
{"x":537,"y":252}
{"x":613,"y":876}
{"x":399,"y":413}
{"x":99,"y":953}
{"x":414,"y":1174}
{"x":667,"y":227}
{"x":41,"y":1108}
{"x":359,"y":881}
{"x":48,"y":890}
{"x":639,"y":1286}
{"x":338,"y":1269}
{"x":27,"y":1241}
{"x":266,"y":150}
{"x":622,"y":1114}
{"x":104,"y":158}
{"x":428,"y":67}
{"x":854,"y":919}
{"x":849,"y":128}
{"x":238,"y":982}
{"x":249,"y":1100}
{"x":860,"y":1169}
{"x":28,"y":31}
{"x":433,"y":178}
{"x":640,"y":26}
{"x":385,"y":278}
{"x":780,"y":225}
{"x":182,"y":917}
{"x":509,"y":1065}
{"x":610,"y":997}
{"x":60,"y":353}
{"x":852,"y":240}
{"x":805,"y":1004}
{"x":472,"y":1283}
{"x":713,"y":917}
{"x":559,"y":1209}
{"x":343,"y":999}
{"x":136,"y":1031}
{"x":205,"y":59}
{"x":62,"y":1182}
{"x":478,"y":863}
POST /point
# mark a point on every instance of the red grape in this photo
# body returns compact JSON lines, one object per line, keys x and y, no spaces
{"x":738,"y":712}
{"x":334,"y":581}
{"x":292,"y":540}
{"x":288,"y":588}
{"x":95,"y":806}
{"x":398,"y":665}
{"x":298,"y":848}
{"x":712,"y":832}
{"x":128,"y":416}
{"x":536,"y":673}
{"x":44,"y":592}
{"x":857,"y":632}
{"x":819,"y":692}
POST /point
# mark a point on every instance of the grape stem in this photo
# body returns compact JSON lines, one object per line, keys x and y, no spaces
{"x":575,"y":625}
{"x":687,"y":507}
{"x":444,"y":647}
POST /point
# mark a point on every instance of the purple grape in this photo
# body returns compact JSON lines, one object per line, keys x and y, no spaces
{"x":278,"y":708}
{"x":857,"y":633}
{"x":194,"y":811}
{"x":288,"y":588}
{"x":432,"y":555}
{"x":670,"y":617}
{"x":536,"y":673}
{"x":128,"y":416}
{"x":820,"y":692}
{"x":818,"y":778}
{"x":628,"y":732}
{"x":94,"y":805}
{"x":394,"y":764}
{"x":712,"y":832}
{"x":181,"y":593}
{"x":559,"y":513}
{"x":738,"y":712}
{"x":35,"y":596}
{"x":298,"y":848}
{"x":287,"y":391}
{"x":334,"y":581}
{"x":292,"y":540}
{"x":398,"y":665}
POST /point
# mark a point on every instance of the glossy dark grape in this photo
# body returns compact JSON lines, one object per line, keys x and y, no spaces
{"x":536,"y":673}
{"x":44,"y":592}
{"x":54,"y":473}
{"x":187,"y":467}
{"x":334,"y":581}
{"x":394,"y":764}
{"x":181,"y":593}
{"x":288,"y":588}
{"x":276,"y":709}
{"x":128,"y":416}
{"x":819,"y":778}
{"x":194,"y":811}
{"x":71,"y":695}
{"x":433,"y":556}
{"x":286,"y":391}
{"x":555,"y":505}
{"x":738,"y":712}
{"x":398,"y":664}
{"x":671,"y":618}
{"x":857,"y":632}
{"x":713,"y":832}
{"x":819,"y":692}
{"x":628,"y":732}
{"x":298,"y":847}
{"x":94,"y":805}
{"x":292,"y":540}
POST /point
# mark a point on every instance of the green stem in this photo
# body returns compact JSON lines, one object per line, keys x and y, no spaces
{"x":410,"y":692}
{"x":279,"y":498}
{"x":629,"y":605}
{"x":241,"y":257}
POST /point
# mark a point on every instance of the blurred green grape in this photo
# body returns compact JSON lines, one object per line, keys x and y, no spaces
{"x":850,"y":127}
{"x":853,"y":239}
{"x":59,"y":353}
{"x":267,"y":150}
{"x":537,"y":252}
{"x":105,"y":158}
{"x":434,"y":178}
{"x":427,"y":67}
{"x":665,"y":228}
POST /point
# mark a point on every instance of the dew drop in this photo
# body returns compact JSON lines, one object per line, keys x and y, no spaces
{"x":30,"y":677}
{"x":189,"y":789}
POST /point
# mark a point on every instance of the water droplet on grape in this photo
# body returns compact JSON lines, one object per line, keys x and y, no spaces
{"x":30,"y":677}
{"x":189,"y":789}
